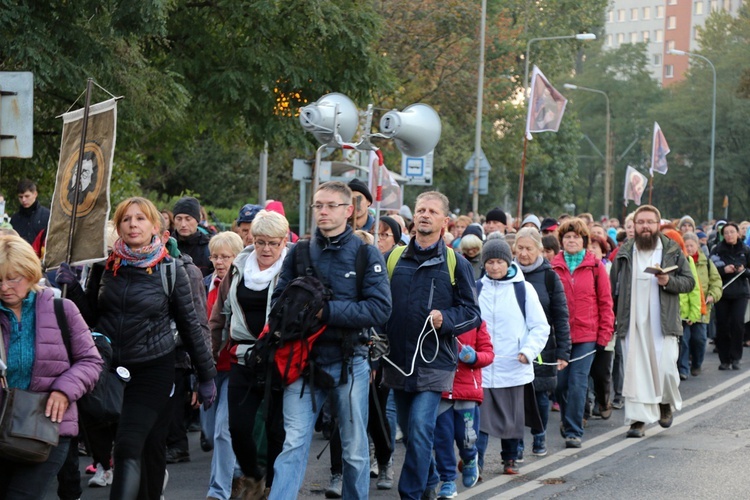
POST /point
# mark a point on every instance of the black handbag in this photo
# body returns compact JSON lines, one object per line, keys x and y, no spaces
{"x":26,"y":434}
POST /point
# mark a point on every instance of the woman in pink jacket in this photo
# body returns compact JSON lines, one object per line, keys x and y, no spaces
{"x":591,"y":317}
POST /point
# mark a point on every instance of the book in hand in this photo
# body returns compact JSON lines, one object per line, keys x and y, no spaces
{"x":656,"y":269}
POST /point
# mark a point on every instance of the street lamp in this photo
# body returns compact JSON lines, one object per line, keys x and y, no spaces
{"x":608,"y":147}
{"x":713,"y":129}
{"x":478,"y":125}
{"x":577,"y":36}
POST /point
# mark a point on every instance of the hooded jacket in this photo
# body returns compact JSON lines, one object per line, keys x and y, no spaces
{"x":680,"y":281}
{"x":738,"y":254}
{"x":710,"y":282}
{"x":511,"y":333}
{"x":467,"y":385}
{"x":196,"y":246}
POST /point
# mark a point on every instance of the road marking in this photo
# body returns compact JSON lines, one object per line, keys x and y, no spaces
{"x":679,"y":419}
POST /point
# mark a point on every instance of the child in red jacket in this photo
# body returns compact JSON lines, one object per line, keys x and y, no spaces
{"x":458,"y":414}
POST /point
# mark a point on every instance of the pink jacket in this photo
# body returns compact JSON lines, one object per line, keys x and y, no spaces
{"x":467,"y":385}
{"x":587,"y":290}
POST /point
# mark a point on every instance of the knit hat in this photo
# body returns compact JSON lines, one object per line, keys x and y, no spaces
{"x":360,"y":187}
{"x":394,"y":226}
{"x":533,"y":219}
{"x":189,"y":206}
{"x":474,"y":229}
{"x":548,"y":224}
{"x":248,"y":213}
{"x":496,"y":249}
{"x":685,"y":219}
{"x":496,"y":214}
{"x":405,"y":212}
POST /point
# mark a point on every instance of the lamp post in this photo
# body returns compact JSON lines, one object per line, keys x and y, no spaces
{"x":608,"y":146}
{"x":478,"y":127}
{"x":713,"y":129}
{"x":577,"y":36}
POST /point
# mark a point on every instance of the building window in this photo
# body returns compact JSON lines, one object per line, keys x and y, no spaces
{"x":645,"y":35}
{"x":670,"y":45}
{"x":620,"y":38}
{"x":610,"y":16}
{"x":660,"y":11}
{"x":699,"y":8}
{"x":646,"y":13}
{"x":657,"y":59}
{"x":621,"y":15}
{"x":727,"y":5}
{"x":633,"y":14}
{"x":714,"y":5}
{"x":609,"y":40}
{"x":658,"y":35}
{"x":633,"y":37}
{"x":696,"y":33}
{"x":669,"y":71}
{"x":672,"y":2}
{"x":671,"y":22}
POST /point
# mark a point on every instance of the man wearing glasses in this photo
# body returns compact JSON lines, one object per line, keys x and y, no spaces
{"x":647,"y":309}
{"x":341,"y":351}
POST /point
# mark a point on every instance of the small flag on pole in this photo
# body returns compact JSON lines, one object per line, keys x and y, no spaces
{"x":659,"y":152}
{"x":635,"y":185}
{"x":546,"y":106}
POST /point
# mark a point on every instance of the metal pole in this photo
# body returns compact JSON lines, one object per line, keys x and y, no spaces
{"x":577,"y":36}
{"x":480,"y":100}
{"x":263,"y":177}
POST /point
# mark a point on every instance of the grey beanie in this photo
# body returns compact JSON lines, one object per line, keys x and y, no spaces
{"x":532,"y":219}
{"x":688,"y":219}
{"x":496,"y":249}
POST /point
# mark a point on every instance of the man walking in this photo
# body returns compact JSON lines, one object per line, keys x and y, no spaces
{"x":32,"y":218}
{"x":341,"y":351}
{"x":428,"y":281}
{"x":647,"y":308}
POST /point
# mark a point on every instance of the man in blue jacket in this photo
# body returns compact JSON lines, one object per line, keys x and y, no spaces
{"x":341,"y":351}
{"x":423,"y":285}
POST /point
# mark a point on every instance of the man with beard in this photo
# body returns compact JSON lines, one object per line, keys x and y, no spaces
{"x":647,"y":308}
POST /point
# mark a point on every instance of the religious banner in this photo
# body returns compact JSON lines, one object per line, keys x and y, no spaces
{"x":92,"y":209}
{"x":546,"y":106}
{"x":659,"y":152}
{"x":635,"y":185}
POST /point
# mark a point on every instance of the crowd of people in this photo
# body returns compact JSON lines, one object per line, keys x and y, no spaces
{"x":449,"y":330}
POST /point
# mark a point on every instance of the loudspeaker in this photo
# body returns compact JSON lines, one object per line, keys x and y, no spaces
{"x":318,"y":118}
{"x":416,"y":129}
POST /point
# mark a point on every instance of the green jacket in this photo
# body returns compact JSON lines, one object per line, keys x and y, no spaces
{"x":680,"y":281}
{"x":710,"y":280}
{"x":690,"y":303}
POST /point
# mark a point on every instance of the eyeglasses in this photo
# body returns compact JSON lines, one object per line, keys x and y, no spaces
{"x":272,"y":244}
{"x":222,"y":257}
{"x":11,"y":283}
{"x":330,"y":206}
{"x":384,"y":235}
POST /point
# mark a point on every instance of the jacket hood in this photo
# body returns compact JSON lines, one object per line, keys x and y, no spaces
{"x":486,"y":280}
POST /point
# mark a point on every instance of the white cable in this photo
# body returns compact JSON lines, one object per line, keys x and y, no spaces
{"x":420,"y":343}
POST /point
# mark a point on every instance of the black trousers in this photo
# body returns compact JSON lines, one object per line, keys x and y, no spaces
{"x":730,"y":328}
{"x":177,"y":438}
{"x":601,"y":373}
{"x":244,"y":402}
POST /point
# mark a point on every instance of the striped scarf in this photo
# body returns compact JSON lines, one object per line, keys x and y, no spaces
{"x":144,"y":257}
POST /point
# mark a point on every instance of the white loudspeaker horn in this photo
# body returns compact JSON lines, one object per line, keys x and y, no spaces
{"x":416,"y":129}
{"x":318,"y":118}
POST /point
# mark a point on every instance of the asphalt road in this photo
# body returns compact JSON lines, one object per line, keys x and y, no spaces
{"x":703,"y":455}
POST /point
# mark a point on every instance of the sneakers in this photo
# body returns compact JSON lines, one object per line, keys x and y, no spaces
{"x":385,"y":476}
{"x":470,"y":473}
{"x":175,"y":456}
{"x":510,"y":467}
{"x":618,"y":403}
{"x":252,"y":488}
{"x":519,"y":460}
{"x":695,"y":372}
{"x":636,"y":430}
{"x":665,"y":419}
{"x":101,"y":478}
{"x":724,"y":366}
{"x":735,"y":365}
{"x":448,"y":490}
{"x":605,"y":412}
{"x":91,"y":469}
{"x":539,"y":448}
{"x":335,"y":486}
{"x":430,"y":493}
{"x":206,"y":445}
{"x":572,"y":442}
{"x":555,"y":406}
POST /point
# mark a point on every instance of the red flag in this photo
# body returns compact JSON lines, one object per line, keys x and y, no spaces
{"x":635,"y":185}
{"x":659,"y":152}
{"x":546,"y":106}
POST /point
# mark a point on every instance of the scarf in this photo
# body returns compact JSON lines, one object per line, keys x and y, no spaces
{"x":144,"y":257}
{"x":573,"y":260}
{"x":258,"y":280}
{"x":532,"y":267}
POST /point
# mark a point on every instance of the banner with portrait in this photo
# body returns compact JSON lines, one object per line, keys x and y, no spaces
{"x":635,"y":185}
{"x":93,"y":205}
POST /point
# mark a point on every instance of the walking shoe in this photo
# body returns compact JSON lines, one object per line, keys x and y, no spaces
{"x":606,"y":411}
{"x":724,"y":366}
{"x":91,"y":469}
{"x":683,"y":377}
{"x":636,"y":430}
{"x":335,"y":486}
{"x":430,"y":493}
{"x":539,"y":447}
{"x":253,"y":488}
{"x":238,"y":486}
{"x":665,"y":420}
{"x":510,"y":467}
{"x":470,"y":473}
{"x":695,"y":372}
{"x":555,"y":406}
{"x":374,"y":472}
{"x":448,"y":490}
{"x":735,"y":365}
{"x":618,"y":403}
{"x":519,"y":459}
{"x":572,"y":442}
{"x":102,"y":477}
{"x":175,"y":456}
{"x":206,"y":445}
{"x":385,"y":476}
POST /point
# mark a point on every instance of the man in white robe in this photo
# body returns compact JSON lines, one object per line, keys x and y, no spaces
{"x":647,"y":308}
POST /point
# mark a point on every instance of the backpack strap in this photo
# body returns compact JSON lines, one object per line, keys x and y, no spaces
{"x":167,"y":270}
{"x":62,"y":324}
{"x":360,"y":267}
{"x":519,"y":287}
{"x":393,"y":257}
{"x":549,"y":282}
{"x":397,"y":252}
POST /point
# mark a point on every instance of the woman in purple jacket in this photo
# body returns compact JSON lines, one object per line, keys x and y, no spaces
{"x":38,"y":361}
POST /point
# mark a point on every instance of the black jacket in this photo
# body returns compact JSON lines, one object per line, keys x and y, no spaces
{"x":555,"y":307}
{"x":738,"y":254}
{"x":196,"y":246}
{"x":134,"y":311}
{"x":29,"y":222}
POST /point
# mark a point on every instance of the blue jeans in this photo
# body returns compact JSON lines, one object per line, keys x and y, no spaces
{"x":215,"y":424}
{"x":459,"y":425}
{"x":692,"y":345}
{"x":542,"y":402}
{"x":30,"y":482}
{"x":350,"y":403}
{"x":417,"y":414}
{"x":508,"y":448}
{"x":572,"y":384}
{"x":392,"y":416}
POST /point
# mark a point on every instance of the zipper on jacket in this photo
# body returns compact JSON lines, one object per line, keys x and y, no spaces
{"x":432,"y":292}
